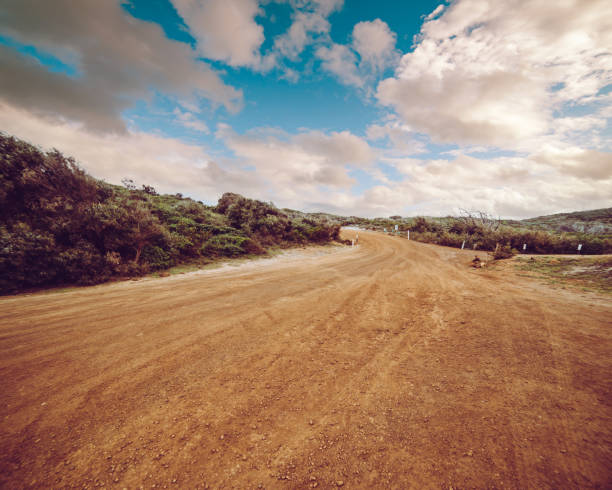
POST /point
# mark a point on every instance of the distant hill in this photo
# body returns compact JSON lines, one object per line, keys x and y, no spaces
{"x":595,"y":222}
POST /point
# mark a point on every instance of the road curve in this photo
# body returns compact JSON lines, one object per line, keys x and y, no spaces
{"x":391,"y":364}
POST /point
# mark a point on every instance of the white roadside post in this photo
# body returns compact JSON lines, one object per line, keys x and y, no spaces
{"x":352,"y":243}
{"x":462,"y":244}
{"x":524,"y":247}
{"x":579,"y":247}
{"x":408,"y":234}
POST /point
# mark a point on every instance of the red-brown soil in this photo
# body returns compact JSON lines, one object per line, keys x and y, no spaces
{"x":391,"y":365}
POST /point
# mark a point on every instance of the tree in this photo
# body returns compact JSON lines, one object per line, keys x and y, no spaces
{"x":479,"y":219}
{"x":143,"y":227}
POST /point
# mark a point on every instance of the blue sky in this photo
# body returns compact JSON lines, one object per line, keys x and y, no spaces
{"x":354,"y":107}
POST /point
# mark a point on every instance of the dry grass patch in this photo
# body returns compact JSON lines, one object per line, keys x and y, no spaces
{"x":593,"y":273}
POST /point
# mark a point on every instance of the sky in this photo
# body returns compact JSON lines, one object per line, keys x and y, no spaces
{"x":355,"y":107}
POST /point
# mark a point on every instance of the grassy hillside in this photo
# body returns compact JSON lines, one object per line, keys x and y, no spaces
{"x":596,"y":221}
{"x":59,"y":225}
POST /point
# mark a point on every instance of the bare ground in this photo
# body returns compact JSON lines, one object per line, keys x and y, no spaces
{"x":391,"y":364}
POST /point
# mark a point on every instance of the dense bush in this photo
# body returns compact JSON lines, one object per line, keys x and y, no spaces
{"x":59,"y":225}
{"x":453,"y":233}
{"x":504,"y":252}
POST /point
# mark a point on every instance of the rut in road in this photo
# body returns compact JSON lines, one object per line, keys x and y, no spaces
{"x":391,"y":364}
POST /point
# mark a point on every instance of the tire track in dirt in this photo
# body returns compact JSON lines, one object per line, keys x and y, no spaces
{"x":392,"y":364}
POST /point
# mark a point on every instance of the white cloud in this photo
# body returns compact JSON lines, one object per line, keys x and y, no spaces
{"x":563,"y":125}
{"x":113,"y":69}
{"x":341,"y":61}
{"x":514,"y":187}
{"x":301,"y":32}
{"x":375,"y":43}
{"x":401,"y":137}
{"x":483,"y":72}
{"x":168,"y":164}
{"x":580,"y":162}
{"x":301,"y":162}
{"x":309,"y":23}
{"x":226,"y":30}
{"x":189,"y":120}
{"x":437,"y":11}
{"x":340,"y":147}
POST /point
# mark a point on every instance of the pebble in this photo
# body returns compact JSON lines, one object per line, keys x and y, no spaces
{"x":339,"y":483}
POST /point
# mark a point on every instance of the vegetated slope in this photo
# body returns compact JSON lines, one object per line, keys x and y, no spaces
{"x":555,"y":234}
{"x":58,"y":225}
{"x":596,"y":221}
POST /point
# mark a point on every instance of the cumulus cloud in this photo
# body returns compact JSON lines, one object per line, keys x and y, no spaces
{"x":375,"y":43}
{"x":340,"y":147}
{"x":437,"y":11}
{"x":300,"y":33}
{"x":299,"y":163}
{"x":118,"y":59}
{"x":564,"y":125}
{"x":190,"y":121}
{"x":169,"y":164}
{"x":339,"y":60}
{"x":487,"y":72}
{"x":402,"y":139}
{"x":226,"y":30}
{"x":580,"y":162}
{"x":513,"y":187}
{"x":309,"y":23}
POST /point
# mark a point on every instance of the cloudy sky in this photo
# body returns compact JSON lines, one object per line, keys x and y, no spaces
{"x":354,"y":107}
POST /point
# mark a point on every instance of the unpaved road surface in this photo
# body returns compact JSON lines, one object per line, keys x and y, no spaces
{"x":388,"y":365}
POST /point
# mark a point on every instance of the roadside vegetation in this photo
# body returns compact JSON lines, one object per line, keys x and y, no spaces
{"x":479,"y":231}
{"x":60,"y":226}
{"x":588,"y":273}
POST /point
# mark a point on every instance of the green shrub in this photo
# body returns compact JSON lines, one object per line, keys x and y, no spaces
{"x":59,"y":225}
{"x":504,"y":252}
{"x":225,"y":245}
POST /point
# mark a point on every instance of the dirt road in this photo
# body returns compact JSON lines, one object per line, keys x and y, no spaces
{"x":392,"y":364}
